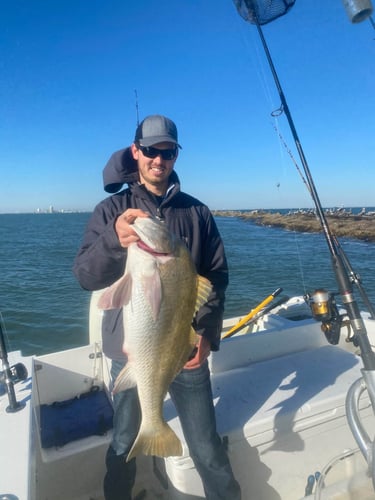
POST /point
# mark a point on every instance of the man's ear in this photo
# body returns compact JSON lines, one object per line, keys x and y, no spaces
{"x":135,"y":151}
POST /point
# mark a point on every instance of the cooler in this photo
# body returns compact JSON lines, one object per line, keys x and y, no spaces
{"x":283,"y":419}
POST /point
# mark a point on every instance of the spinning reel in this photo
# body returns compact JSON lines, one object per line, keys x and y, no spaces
{"x":324,"y":309}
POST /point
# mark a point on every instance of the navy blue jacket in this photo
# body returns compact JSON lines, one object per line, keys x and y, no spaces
{"x":101,"y":259}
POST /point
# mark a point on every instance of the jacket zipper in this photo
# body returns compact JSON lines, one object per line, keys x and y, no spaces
{"x":159,"y":214}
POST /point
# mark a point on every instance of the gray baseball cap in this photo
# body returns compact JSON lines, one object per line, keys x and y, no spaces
{"x":154,"y":129}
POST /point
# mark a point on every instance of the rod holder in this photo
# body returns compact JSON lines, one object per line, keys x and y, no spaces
{"x":9,"y":376}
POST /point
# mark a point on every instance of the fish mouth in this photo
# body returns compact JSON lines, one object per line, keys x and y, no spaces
{"x":154,"y":236}
{"x":143,"y":246}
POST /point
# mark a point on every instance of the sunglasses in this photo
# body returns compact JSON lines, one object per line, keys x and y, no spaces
{"x":166,"y":154}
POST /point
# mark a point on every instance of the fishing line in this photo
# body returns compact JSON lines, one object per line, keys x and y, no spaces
{"x":353,"y":276}
{"x":275,"y":114}
{"x":260,"y":71}
{"x":255,"y":56}
{"x":301,"y":270}
{"x":252,"y":49}
{"x":277,"y":130}
{"x":257,"y":61}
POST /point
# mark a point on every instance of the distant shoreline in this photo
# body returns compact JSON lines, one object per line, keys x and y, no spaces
{"x":341,"y":224}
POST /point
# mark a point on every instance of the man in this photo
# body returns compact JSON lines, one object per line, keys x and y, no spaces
{"x":154,"y":189}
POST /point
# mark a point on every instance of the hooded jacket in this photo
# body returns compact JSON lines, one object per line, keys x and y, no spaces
{"x":101,"y":259}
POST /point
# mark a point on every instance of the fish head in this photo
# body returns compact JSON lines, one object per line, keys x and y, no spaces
{"x":154,"y":236}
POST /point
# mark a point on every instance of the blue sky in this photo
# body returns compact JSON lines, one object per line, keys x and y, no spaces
{"x":69,"y":69}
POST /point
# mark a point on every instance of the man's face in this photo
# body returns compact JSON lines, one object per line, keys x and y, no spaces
{"x":155,"y":172}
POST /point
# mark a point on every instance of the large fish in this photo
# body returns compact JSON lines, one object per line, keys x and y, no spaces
{"x":159,"y":292}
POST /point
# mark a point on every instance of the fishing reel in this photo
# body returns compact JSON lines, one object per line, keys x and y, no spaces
{"x":324,"y":309}
{"x":14,"y":374}
{"x":9,"y":376}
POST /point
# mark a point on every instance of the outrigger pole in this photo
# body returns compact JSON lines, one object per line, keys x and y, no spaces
{"x":258,"y":14}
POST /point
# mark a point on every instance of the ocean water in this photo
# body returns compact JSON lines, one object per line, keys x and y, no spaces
{"x":44,"y":309}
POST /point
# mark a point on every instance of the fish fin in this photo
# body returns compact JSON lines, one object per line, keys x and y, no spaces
{"x":204,"y":288}
{"x":153,"y":292}
{"x":193,"y":338}
{"x":184,"y":355}
{"x":125,"y":380}
{"x":159,"y":442}
{"x":117,"y":295}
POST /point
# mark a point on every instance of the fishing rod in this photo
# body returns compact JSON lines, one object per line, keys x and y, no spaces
{"x":251,"y":315}
{"x":259,"y":12}
{"x":256,"y":316}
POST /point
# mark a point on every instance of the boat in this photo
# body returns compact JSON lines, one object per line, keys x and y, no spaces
{"x":293,"y":388}
{"x":281,"y":400}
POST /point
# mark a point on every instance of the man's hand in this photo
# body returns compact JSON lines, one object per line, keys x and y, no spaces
{"x":125,"y":232}
{"x":203,"y":349}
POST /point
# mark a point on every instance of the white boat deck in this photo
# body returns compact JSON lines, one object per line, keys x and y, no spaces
{"x":14,"y":434}
{"x":279,"y":395}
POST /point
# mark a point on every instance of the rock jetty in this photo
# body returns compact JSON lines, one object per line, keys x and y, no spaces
{"x":341,"y":223}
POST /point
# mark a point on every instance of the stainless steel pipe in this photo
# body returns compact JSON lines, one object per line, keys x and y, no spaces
{"x":358,"y":10}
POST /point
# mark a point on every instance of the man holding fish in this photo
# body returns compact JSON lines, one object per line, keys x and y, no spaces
{"x":159,"y":253}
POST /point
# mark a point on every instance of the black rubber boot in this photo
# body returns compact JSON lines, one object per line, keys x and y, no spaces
{"x":120,"y":477}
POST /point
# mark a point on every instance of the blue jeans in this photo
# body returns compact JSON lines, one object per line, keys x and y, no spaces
{"x":191,"y":394}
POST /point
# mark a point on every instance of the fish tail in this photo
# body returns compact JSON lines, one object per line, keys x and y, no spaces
{"x":162,"y":442}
